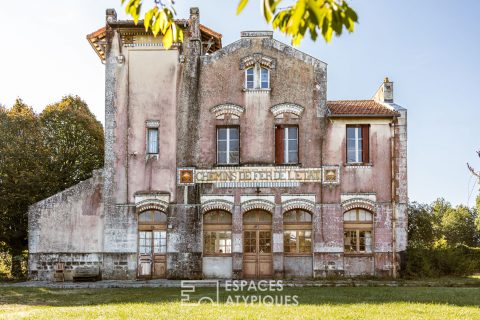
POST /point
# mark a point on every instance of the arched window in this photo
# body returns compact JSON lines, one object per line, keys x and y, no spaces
{"x":297,"y":234}
{"x":152,"y":232}
{"x":152,"y":217}
{"x":217,"y":232}
{"x":257,"y":77}
{"x":357,"y":234}
{"x":257,"y":217}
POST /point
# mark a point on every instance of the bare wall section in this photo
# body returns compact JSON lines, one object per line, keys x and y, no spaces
{"x":152,"y":96}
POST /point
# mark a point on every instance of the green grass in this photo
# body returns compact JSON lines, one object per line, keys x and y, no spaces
{"x":314,"y":303}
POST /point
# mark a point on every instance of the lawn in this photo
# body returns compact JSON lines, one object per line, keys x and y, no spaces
{"x":314,"y":303}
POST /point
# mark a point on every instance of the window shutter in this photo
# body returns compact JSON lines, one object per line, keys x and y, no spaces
{"x":366,"y":143}
{"x":279,"y":136}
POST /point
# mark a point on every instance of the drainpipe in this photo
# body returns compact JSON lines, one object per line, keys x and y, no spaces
{"x":394,"y":206}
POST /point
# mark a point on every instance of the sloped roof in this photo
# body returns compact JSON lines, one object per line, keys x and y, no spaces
{"x":359,"y":108}
{"x":97,"y":41}
{"x":97,"y":38}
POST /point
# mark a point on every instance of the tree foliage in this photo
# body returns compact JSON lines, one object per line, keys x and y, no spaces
{"x":22,"y":174}
{"x":477,"y":220}
{"x":75,"y":142}
{"x":440,"y":225}
{"x":39,"y":156}
{"x":458,"y":226}
{"x":318,"y":17}
{"x":420,"y":227}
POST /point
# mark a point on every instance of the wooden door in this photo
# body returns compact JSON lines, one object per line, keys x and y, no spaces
{"x":151,"y":254}
{"x":159,"y":254}
{"x":257,"y":253}
{"x":152,"y":244}
{"x":145,"y":254}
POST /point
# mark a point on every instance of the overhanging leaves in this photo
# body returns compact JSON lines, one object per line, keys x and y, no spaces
{"x":159,"y":19}
{"x":325,"y":17}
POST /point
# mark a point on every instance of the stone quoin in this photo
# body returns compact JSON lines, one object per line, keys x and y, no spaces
{"x":229,"y":162}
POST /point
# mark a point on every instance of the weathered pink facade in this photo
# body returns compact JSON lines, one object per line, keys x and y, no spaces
{"x":187,"y":93}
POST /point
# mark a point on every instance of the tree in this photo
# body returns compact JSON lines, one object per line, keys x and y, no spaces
{"x":75,"y":142}
{"x":22,"y":175}
{"x":39,"y":156}
{"x":438,"y":208}
{"x":472,"y":170}
{"x":458,"y":226}
{"x":325,"y":17}
{"x":420,"y":226}
{"x":477,"y":220}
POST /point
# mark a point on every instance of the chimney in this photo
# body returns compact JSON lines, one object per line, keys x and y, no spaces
{"x":256,"y":34}
{"x":195,"y":23}
{"x":111,"y":15}
{"x":385,"y":92}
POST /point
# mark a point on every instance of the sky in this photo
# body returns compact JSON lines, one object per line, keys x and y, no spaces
{"x":430,"y":49}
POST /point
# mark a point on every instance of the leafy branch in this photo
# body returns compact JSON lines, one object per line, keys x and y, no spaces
{"x":325,"y":17}
{"x":159,"y":19}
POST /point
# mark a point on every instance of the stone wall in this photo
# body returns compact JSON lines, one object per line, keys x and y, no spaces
{"x":67,"y":227}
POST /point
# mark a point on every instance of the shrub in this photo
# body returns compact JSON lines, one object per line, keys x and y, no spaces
{"x":442,"y":261}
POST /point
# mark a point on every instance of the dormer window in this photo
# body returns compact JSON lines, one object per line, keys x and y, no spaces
{"x":257,"y":77}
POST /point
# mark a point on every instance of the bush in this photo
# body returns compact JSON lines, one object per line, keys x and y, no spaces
{"x":6,"y":264}
{"x":442,"y":261}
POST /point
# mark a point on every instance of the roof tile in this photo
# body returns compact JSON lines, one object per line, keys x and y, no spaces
{"x":359,"y":107}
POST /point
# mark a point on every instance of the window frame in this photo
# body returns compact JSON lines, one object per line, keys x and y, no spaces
{"x":257,"y":83}
{"x":151,"y":222}
{"x":217,"y":228}
{"x":228,"y":145}
{"x":285,"y":144}
{"x":151,"y":226}
{"x":261,"y":79}
{"x":358,"y":226}
{"x":258,"y":213}
{"x":298,"y":227}
{"x":362,"y":132}
{"x":148,"y":143}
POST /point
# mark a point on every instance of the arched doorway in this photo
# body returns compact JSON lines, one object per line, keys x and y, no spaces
{"x":257,"y":244}
{"x":152,"y":244}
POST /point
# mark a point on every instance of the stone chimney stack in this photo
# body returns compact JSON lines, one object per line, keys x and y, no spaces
{"x":385,"y":92}
{"x":111,"y":15}
{"x":195,"y":23}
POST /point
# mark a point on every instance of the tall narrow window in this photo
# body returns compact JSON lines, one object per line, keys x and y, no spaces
{"x":357,"y":234}
{"x":286,"y":145}
{"x":250,"y":79}
{"x":264,"y":84}
{"x":228,"y":145}
{"x":358,"y":144}
{"x":152,"y":141}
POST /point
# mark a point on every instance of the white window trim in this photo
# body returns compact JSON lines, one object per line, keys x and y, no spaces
{"x":358,"y":152}
{"x":257,"y":77}
{"x":228,"y":145}
{"x":285,"y":144}
{"x":148,"y":141}
{"x":246,"y":78}
{"x":268,"y":78}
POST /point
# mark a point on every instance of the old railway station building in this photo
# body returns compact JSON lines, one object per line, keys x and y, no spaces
{"x":228,"y":162}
